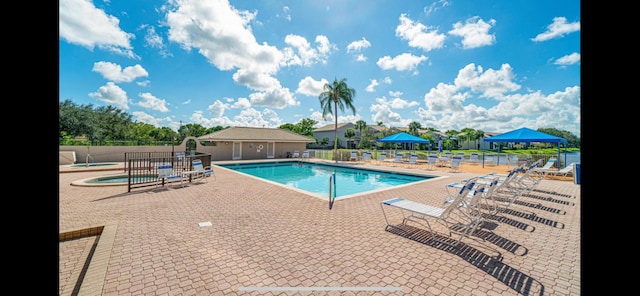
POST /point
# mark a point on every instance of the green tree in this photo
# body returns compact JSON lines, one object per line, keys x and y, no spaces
{"x":191,"y":130}
{"x":305,"y":127}
{"x":414,"y":128}
{"x":469,"y":133}
{"x":349,"y":134}
{"x":336,"y":95}
{"x":288,"y":126}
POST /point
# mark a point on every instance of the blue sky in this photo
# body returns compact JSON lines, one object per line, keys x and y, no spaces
{"x":493,"y":65}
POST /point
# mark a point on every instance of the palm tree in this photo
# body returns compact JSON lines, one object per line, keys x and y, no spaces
{"x":414,"y":128}
{"x":340,"y":95}
{"x":360,"y":125}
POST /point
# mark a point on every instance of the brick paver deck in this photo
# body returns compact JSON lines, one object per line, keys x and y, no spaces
{"x":266,"y":239}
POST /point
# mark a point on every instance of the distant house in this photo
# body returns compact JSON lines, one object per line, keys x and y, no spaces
{"x":328,"y":131}
{"x":252,"y":143}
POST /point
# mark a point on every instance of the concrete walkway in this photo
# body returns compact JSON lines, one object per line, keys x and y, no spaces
{"x":238,"y":235}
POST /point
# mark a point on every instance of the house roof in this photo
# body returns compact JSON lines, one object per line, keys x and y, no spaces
{"x":255,"y":134}
{"x":330,"y":127}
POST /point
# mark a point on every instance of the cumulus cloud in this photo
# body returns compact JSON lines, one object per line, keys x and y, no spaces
{"x":567,"y":60}
{"x":115,"y":73}
{"x":402,"y":62}
{"x":490,"y":83}
{"x":474,"y":32}
{"x":151,"y":102}
{"x":311,"y":87}
{"x":81,"y":23}
{"x":419,"y":35}
{"x":112,"y":94}
{"x":558,"y":29}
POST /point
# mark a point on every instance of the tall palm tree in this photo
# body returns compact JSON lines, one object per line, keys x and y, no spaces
{"x":340,"y":95}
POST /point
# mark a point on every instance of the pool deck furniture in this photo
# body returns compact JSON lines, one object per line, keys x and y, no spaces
{"x":220,"y":238}
{"x":459,"y":215}
{"x":167,"y":175}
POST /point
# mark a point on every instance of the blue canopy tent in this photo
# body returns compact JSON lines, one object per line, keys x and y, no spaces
{"x":403,"y":138}
{"x":528,"y":135}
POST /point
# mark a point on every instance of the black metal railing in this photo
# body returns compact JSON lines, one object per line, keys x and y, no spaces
{"x":142,"y":167}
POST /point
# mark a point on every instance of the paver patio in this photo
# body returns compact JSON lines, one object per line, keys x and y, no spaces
{"x":265,"y":239}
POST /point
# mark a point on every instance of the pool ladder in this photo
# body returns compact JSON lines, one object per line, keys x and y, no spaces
{"x":332,"y":189}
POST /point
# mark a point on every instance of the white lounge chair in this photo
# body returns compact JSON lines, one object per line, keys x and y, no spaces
{"x":296,"y":154}
{"x":456,"y":163}
{"x":166,"y":176}
{"x":366,"y":156}
{"x":563,"y":172}
{"x":432,"y":161}
{"x":354,"y":156}
{"x":473,"y":157}
{"x":548,"y":165}
{"x":459,"y":216}
{"x":198,"y":171}
{"x":382,"y":157}
{"x":413,"y":159}
{"x":305,"y":154}
{"x":398,"y":158}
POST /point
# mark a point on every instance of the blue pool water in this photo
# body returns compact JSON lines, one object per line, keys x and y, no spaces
{"x":314,"y":178}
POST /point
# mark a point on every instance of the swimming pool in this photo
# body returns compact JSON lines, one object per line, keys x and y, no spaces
{"x":314,"y":177}
{"x":115,"y":180}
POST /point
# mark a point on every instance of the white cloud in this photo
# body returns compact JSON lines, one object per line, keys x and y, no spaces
{"x":418,"y":35}
{"x":357,"y":46}
{"x":112,"y":94}
{"x":311,"y":87}
{"x":475,"y":32}
{"x":153,"y":40}
{"x":276,"y":98}
{"x":491,"y":83}
{"x":151,"y":102}
{"x":306,"y":55}
{"x":242,"y":103}
{"x":372,"y":86}
{"x":571,"y":59}
{"x":402,"y":62}
{"x":557,"y":29}
{"x":197,"y":24}
{"x":157,"y":122}
{"x":114,"y":72}
{"x":83,"y":24}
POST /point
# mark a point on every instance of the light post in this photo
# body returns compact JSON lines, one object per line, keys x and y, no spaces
{"x":173,"y":142}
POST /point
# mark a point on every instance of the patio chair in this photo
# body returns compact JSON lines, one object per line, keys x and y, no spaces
{"x":413,"y":159}
{"x":166,"y":176}
{"x":460,"y":216}
{"x":490,"y":202}
{"x":354,"y":156}
{"x":199,"y":172}
{"x":473,"y":157}
{"x":563,"y":172}
{"x":432,"y":161}
{"x":382,"y":157}
{"x":456,"y":163}
{"x":366,"y":156}
{"x":398,"y":158}
{"x":548,"y":165}
{"x":296,"y":154}
{"x":305,"y":154}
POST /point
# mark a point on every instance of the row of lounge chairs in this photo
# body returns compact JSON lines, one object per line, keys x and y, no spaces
{"x":462,"y":212}
{"x":167,"y":175}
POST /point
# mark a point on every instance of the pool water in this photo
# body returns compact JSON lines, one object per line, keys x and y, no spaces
{"x":121,"y":179}
{"x":91,"y":164}
{"x":314,"y":178}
